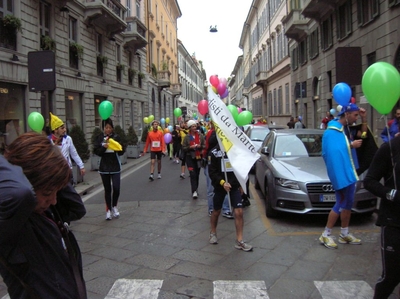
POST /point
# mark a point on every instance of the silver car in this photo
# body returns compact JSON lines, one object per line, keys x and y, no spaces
{"x":292,"y":175}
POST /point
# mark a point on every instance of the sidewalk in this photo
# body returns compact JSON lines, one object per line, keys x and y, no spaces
{"x":92,"y":178}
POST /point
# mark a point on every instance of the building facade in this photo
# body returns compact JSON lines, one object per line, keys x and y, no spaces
{"x":96,"y":50}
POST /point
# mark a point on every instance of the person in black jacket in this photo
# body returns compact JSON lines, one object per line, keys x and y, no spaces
{"x":223,"y":185}
{"x":38,"y":257}
{"x":109,"y":168}
{"x":386,"y":164}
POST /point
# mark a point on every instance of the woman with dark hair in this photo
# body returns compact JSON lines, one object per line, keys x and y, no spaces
{"x":109,"y":168}
{"x":39,"y":258}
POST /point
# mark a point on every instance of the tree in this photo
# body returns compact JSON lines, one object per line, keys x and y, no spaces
{"x":121,"y":133}
{"x":131,"y":137}
{"x":96,"y":132}
{"x":81,"y":145}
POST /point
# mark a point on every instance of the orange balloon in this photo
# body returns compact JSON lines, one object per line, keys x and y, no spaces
{"x":214,"y":89}
{"x":166,"y":130}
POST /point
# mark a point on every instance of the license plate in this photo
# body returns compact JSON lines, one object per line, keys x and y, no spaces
{"x":327,"y":197}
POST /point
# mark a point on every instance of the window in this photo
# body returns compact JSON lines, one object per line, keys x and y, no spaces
{"x":73,"y":110}
{"x":343,"y":20}
{"x":101,"y":60}
{"x":280,"y":101}
{"x":73,"y":37}
{"x":275,"y":103}
{"x":138,"y":9}
{"x":287,"y":99}
{"x":128,"y":8}
{"x":393,"y":2}
{"x":120,"y":67}
{"x":326,"y":34}
{"x":303,"y":52}
{"x":295,"y":58}
{"x":44,"y":18}
{"x":8,"y":39}
{"x":313,"y":44}
{"x":367,"y":11}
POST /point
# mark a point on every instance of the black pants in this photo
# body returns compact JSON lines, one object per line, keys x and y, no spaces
{"x":390,"y":250}
{"x":194,"y":167}
{"x":116,"y":187}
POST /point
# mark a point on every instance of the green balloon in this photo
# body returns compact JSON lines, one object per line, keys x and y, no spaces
{"x":177,"y":112}
{"x":234,"y":111}
{"x":36,"y":121}
{"x":244,"y":118}
{"x":105,"y":109}
{"x":381,"y":86}
{"x":151,"y":118}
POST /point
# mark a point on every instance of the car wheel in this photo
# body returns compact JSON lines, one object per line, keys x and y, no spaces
{"x":269,"y":211}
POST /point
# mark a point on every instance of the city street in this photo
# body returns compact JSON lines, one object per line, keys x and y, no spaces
{"x":159,"y":247}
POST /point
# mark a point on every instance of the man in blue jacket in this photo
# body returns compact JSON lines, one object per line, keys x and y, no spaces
{"x":393,"y":128}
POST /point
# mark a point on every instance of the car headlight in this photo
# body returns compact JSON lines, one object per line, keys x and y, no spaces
{"x":287,"y":183}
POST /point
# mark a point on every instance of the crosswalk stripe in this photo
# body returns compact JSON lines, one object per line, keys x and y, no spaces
{"x":356,"y":289}
{"x":135,"y":289}
{"x":240,"y":289}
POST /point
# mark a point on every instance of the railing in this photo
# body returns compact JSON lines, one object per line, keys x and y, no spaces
{"x":113,"y":5}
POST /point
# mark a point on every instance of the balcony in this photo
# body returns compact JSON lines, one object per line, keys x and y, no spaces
{"x":163,"y":79}
{"x":175,"y":89}
{"x":318,"y":9}
{"x":135,"y":34}
{"x":296,"y":26}
{"x":107,"y":15}
{"x":261,"y":78}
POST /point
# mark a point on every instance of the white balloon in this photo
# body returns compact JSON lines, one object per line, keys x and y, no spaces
{"x":339,"y":108}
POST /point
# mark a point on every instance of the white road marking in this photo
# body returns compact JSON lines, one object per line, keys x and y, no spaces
{"x":356,"y":289}
{"x":135,"y":289}
{"x":224,"y":289}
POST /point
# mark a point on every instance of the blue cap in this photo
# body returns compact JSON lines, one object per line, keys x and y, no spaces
{"x":349,"y":108}
{"x":300,"y":118}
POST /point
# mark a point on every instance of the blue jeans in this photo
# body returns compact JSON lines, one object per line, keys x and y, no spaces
{"x":210,"y":194}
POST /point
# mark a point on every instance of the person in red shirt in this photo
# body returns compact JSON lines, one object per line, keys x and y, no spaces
{"x":155,"y":139}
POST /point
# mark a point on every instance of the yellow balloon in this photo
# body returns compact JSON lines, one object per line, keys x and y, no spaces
{"x":146,"y":120}
{"x":114,"y":145}
{"x":214,"y":89}
{"x":167,"y":120}
{"x":151,"y":118}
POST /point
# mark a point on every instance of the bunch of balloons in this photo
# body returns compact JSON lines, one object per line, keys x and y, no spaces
{"x":219,"y":86}
{"x":164,"y":121}
{"x":148,"y":119}
{"x":105,"y":109}
{"x":241,"y":117}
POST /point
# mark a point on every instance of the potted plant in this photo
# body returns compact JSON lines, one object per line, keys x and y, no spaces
{"x":121,"y":67}
{"x":154,"y":70}
{"x":141,"y":75}
{"x":12,"y":24}
{"x":94,"y":159}
{"x":131,"y":74}
{"x":103,"y":60}
{"x":120,"y":132}
{"x":82,"y":148}
{"x":77,"y":49}
{"x":143,"y":139}
{"x":132,"y":148}
{"x":47,"y":43}
{"x":164,"y":65}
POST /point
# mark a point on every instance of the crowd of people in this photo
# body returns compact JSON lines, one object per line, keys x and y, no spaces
{"x":40,"y":257}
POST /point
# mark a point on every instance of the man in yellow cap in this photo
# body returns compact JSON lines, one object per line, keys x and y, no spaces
{"x":64,"y":142}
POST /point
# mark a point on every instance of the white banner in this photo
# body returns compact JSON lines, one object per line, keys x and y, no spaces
{"x":238,"y":147}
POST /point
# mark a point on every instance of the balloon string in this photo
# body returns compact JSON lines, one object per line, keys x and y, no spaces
{"x":391,"y":153}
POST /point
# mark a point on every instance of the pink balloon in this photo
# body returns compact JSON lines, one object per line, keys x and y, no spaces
{"x":223,"y":81}
{"x":202,"y":106}
{"x":221,"y":89}
{"x":225,"y":93}
{"x":214,"y":80}
{"x":239,"y":109}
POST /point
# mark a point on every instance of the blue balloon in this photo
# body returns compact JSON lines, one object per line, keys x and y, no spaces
{"x":342,"y":93}
{"x":332,"y":112}
{"x":170,"y":128}
{"x":162,"y":121}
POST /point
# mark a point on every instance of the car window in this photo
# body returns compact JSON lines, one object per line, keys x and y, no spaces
{"x":306,"y":145}
{"x":258,"y":135}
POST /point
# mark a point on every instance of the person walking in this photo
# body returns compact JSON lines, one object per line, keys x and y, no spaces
{"x":340,"y":163}
{"x":155,"y":140}
{"x":393,"y":126}
{"x":324,"y":123}
{"x":192,"y":145}
{"x":221,"y":188}
{"x":291,"y":123}
{"x":182,"y":155}
{"x":299,"y":124}
{"x":39,"y":257}
{"x":64,"y":142}
{"x":176,"y":143}
{"x":386,"y":165}
{"x":109,"y":168}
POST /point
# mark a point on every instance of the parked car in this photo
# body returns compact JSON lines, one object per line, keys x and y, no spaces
{"x":292,"y":175}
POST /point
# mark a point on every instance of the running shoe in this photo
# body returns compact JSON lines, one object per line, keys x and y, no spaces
{"x":115,"y":212}
{"x":213,"y":238}
{"x":159,"y":176}
{"x":328,"y":242}
{"x":195,"y":195}
{"x":227,"y":215}
{"x":151,"y":178}
{"x":349,"y":239}
{"x":243,"y":246}
{"x":108,"y":215}
{"x":182,"y":176}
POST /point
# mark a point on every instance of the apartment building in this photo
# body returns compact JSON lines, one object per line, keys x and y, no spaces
{"x":192,"y":78}
{"x":336,"y":41}
{"x":164,"y":87}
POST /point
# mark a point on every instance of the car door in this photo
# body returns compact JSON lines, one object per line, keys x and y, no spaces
{"x":263,"y":161}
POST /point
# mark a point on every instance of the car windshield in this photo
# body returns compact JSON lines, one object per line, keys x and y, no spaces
{"x":258,"y":135}
{"x":300,"y":145}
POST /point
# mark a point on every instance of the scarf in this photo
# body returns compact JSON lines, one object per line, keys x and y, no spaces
{"x":195,"y":139}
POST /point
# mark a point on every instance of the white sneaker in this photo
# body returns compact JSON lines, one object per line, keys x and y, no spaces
{"x":194,"y":194}
{"x":108,"y":215}
{"x":115,"y":212}
{"x":159,"y":176}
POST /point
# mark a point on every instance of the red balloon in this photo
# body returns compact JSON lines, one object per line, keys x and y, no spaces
{"x":214,"y":80}
{"x":221,"y":88}
{"x":202,"y":106}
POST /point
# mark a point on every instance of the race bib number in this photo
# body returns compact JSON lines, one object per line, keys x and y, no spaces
{"x":155,"y":144}
{"x":226,"y":165}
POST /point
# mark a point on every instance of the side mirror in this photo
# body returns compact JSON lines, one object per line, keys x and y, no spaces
{"x":265,"y":150}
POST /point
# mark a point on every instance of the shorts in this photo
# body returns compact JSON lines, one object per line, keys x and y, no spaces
{"x":235,"y":196}
{"x":344,"y":198}
{"x":153,"y":155}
